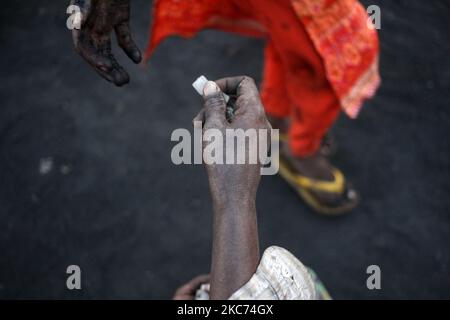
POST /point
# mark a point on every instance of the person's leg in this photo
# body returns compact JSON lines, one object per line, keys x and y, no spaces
{"x":304,"y":81}
{"x":301,"y":73}
{"x":274,"y":95}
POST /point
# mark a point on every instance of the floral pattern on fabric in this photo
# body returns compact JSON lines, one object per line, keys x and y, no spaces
{"x":337,"y":28}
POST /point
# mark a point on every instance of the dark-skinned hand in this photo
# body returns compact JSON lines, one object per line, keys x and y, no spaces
{"x":238,"y":182}
{"x":93,"y":40}
{"x":188,"y":290}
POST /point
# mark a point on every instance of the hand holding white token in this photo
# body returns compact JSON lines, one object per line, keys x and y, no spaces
{"x":200,"y":83}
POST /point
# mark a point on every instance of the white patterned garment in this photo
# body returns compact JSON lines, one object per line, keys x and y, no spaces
{"x":280,"y":276}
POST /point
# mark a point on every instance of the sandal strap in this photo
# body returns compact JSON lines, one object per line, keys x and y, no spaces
{"x":335,"y":186}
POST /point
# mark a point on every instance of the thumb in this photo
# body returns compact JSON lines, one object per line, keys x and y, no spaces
{"x":214,"y":104}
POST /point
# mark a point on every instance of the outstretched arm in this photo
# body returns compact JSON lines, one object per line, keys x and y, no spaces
{"x":235,"y":250}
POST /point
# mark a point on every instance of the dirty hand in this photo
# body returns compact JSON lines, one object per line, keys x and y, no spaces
{"x":233,"y":183}
{"x":93,"y":40}
{"x":188,"y":290}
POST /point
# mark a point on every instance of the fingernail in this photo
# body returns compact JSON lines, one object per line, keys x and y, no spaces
{"x":210,"y":88}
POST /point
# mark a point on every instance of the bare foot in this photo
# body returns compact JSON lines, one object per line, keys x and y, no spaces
{"x":316,"y":167}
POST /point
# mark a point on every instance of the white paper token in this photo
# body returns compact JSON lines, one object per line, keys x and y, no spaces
{"x":200,"y":83}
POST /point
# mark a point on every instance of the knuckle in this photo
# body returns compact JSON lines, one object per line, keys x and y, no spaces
{"x":248,"y":80}
{"x":215,"y":101}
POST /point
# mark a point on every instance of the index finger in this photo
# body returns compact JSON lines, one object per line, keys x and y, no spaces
{"x":84,"y":47}
{"x":96,"y":54}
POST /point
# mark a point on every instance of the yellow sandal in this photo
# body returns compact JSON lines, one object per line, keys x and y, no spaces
{"x":304,"y":185}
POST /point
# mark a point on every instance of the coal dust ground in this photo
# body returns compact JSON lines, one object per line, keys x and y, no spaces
{"x":86,"y":176}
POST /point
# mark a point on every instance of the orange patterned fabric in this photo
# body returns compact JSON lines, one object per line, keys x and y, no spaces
{"x":320,"y":57}
{"x":186,"y":17}
{"x":341,"y":35}
{"x":338,"y":29}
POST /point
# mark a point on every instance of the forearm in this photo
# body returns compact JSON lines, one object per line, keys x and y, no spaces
{"x":235,"y":248}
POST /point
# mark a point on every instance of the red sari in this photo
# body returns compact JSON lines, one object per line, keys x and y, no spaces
{"x":320,"y":57}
